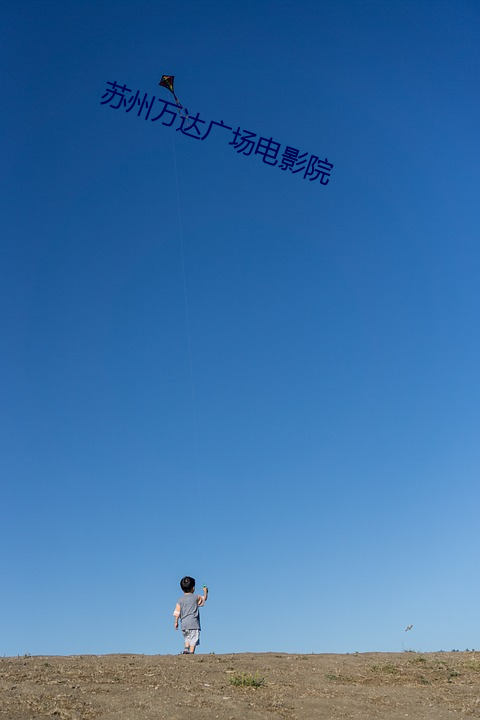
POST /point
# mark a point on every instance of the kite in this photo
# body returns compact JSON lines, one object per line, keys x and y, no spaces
{"x":409,"y":627}
{"x":167,"y":82}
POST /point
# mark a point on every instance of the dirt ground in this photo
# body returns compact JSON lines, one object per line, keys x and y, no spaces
{"x":436,"y":686}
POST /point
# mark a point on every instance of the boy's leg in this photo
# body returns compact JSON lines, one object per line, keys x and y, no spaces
{"x":196,"y":641}
{"x":189,"y":645}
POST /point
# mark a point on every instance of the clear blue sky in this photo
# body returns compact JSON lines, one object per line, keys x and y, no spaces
{"x":334,"y":330}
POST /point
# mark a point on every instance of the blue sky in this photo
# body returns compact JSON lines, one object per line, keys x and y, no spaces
{"x":302,"y":432}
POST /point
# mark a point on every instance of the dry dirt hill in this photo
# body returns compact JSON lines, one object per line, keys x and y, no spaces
{"x":437,"y":686}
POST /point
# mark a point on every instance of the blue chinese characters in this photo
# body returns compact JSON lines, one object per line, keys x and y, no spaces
{"x":244,"y":141}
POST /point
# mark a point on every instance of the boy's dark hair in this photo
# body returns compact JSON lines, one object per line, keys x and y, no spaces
{"x":187,"y":584}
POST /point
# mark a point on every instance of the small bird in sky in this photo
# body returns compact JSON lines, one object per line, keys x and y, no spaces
{"x":409,"y":627}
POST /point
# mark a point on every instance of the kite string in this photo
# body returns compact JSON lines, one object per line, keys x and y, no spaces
{"x":189,"y":349}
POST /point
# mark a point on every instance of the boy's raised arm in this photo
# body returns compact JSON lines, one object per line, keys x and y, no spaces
{"x":202,"y":599}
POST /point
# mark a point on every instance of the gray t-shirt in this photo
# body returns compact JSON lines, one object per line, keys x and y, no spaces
{"x":189,"y":613}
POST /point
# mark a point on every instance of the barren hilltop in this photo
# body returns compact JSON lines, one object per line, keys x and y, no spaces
{"x":262,"y":686}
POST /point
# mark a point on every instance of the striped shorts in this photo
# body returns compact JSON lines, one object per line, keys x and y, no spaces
{"x":191,"y":637}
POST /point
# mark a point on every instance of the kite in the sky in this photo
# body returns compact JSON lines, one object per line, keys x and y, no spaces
{"x":409,"y":627}
{"x":167,"y":82}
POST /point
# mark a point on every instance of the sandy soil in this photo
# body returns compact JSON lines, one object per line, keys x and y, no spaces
{"x":436,"y":686}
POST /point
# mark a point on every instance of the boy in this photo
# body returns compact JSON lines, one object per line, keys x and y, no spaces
{"x":187,"y":610}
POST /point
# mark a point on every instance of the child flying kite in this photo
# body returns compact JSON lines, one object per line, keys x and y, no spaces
{"x":186,"y":610}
